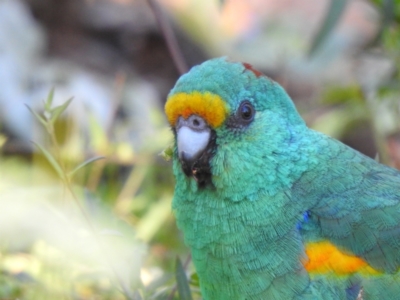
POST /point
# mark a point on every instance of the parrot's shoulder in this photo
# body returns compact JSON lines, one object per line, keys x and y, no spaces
{"x":354,"y":204}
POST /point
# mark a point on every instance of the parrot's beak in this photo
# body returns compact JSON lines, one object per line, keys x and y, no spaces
{"x":194,"y":137}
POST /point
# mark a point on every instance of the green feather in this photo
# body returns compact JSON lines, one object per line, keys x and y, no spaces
{"x":277,"y":185}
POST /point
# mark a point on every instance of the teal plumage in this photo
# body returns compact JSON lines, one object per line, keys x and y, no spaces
{"x":255,"y":199}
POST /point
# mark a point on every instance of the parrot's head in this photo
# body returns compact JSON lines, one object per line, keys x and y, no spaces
{"x":235,"y":129}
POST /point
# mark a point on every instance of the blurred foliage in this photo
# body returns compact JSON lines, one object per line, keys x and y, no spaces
{"x":376,"y":102}
{"x":97,"y":228}
{"x":332,"y":17}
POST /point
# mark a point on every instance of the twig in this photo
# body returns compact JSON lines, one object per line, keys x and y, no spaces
{"x":169,"y":37}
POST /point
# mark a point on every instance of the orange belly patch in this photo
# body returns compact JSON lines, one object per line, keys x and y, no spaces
{"x":324,"y":257}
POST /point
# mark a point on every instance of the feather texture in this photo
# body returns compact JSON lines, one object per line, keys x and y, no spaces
{"x":290,"y":213}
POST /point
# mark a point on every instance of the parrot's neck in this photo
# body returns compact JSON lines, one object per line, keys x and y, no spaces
{"x":244,"y":236}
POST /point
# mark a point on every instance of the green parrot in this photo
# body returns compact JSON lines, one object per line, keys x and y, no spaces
{"x":270,"y":208}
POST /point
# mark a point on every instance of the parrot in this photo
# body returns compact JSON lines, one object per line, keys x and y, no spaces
{"x":270,"y":208}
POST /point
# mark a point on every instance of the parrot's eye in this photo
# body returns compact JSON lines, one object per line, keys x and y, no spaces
{"x":246,"y":111}
{"x":243,"y":116}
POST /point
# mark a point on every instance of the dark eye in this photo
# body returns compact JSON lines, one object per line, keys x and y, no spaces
{"x":246,"y":111}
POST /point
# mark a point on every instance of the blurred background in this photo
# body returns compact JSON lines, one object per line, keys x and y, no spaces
{"x":85,"y":191}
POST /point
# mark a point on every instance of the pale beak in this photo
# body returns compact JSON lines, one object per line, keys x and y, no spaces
{"x":193,"y":135}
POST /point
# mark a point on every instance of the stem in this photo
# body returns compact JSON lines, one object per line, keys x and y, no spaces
{"x":67,"y":184}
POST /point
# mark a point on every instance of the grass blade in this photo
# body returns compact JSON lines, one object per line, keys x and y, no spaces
{"x":37,"y":116}
{"x":50,"y":158}
{"x":49,"y":100}
{"x":182,"y":281}
{"x":334,"y":13}
{"x":58,"y":110}
{"x":82,"y":165}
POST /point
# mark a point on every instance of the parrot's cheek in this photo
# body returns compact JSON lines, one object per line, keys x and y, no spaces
{"x":195,"y":145}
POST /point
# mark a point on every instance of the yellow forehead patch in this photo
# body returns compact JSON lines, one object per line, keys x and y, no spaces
{"x":324,"y":257}
{"x":209,"y":106}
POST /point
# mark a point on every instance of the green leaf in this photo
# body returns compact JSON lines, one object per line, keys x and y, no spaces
{"x":194,"y":280}
{"x":58,"y":110}
{"x":37,"y":116}
{"x":50,"y":158}
{"x":49,"y":100}
{"x":342,"y":94}
{"x":167,"y":153}
{"x":335,"y":11}
{"x":182,"y":281}
{"x":388,"y":11}
{"x":84,"y":164}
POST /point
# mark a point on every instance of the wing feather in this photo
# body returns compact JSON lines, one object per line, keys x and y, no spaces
{"x":355,"y":204}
